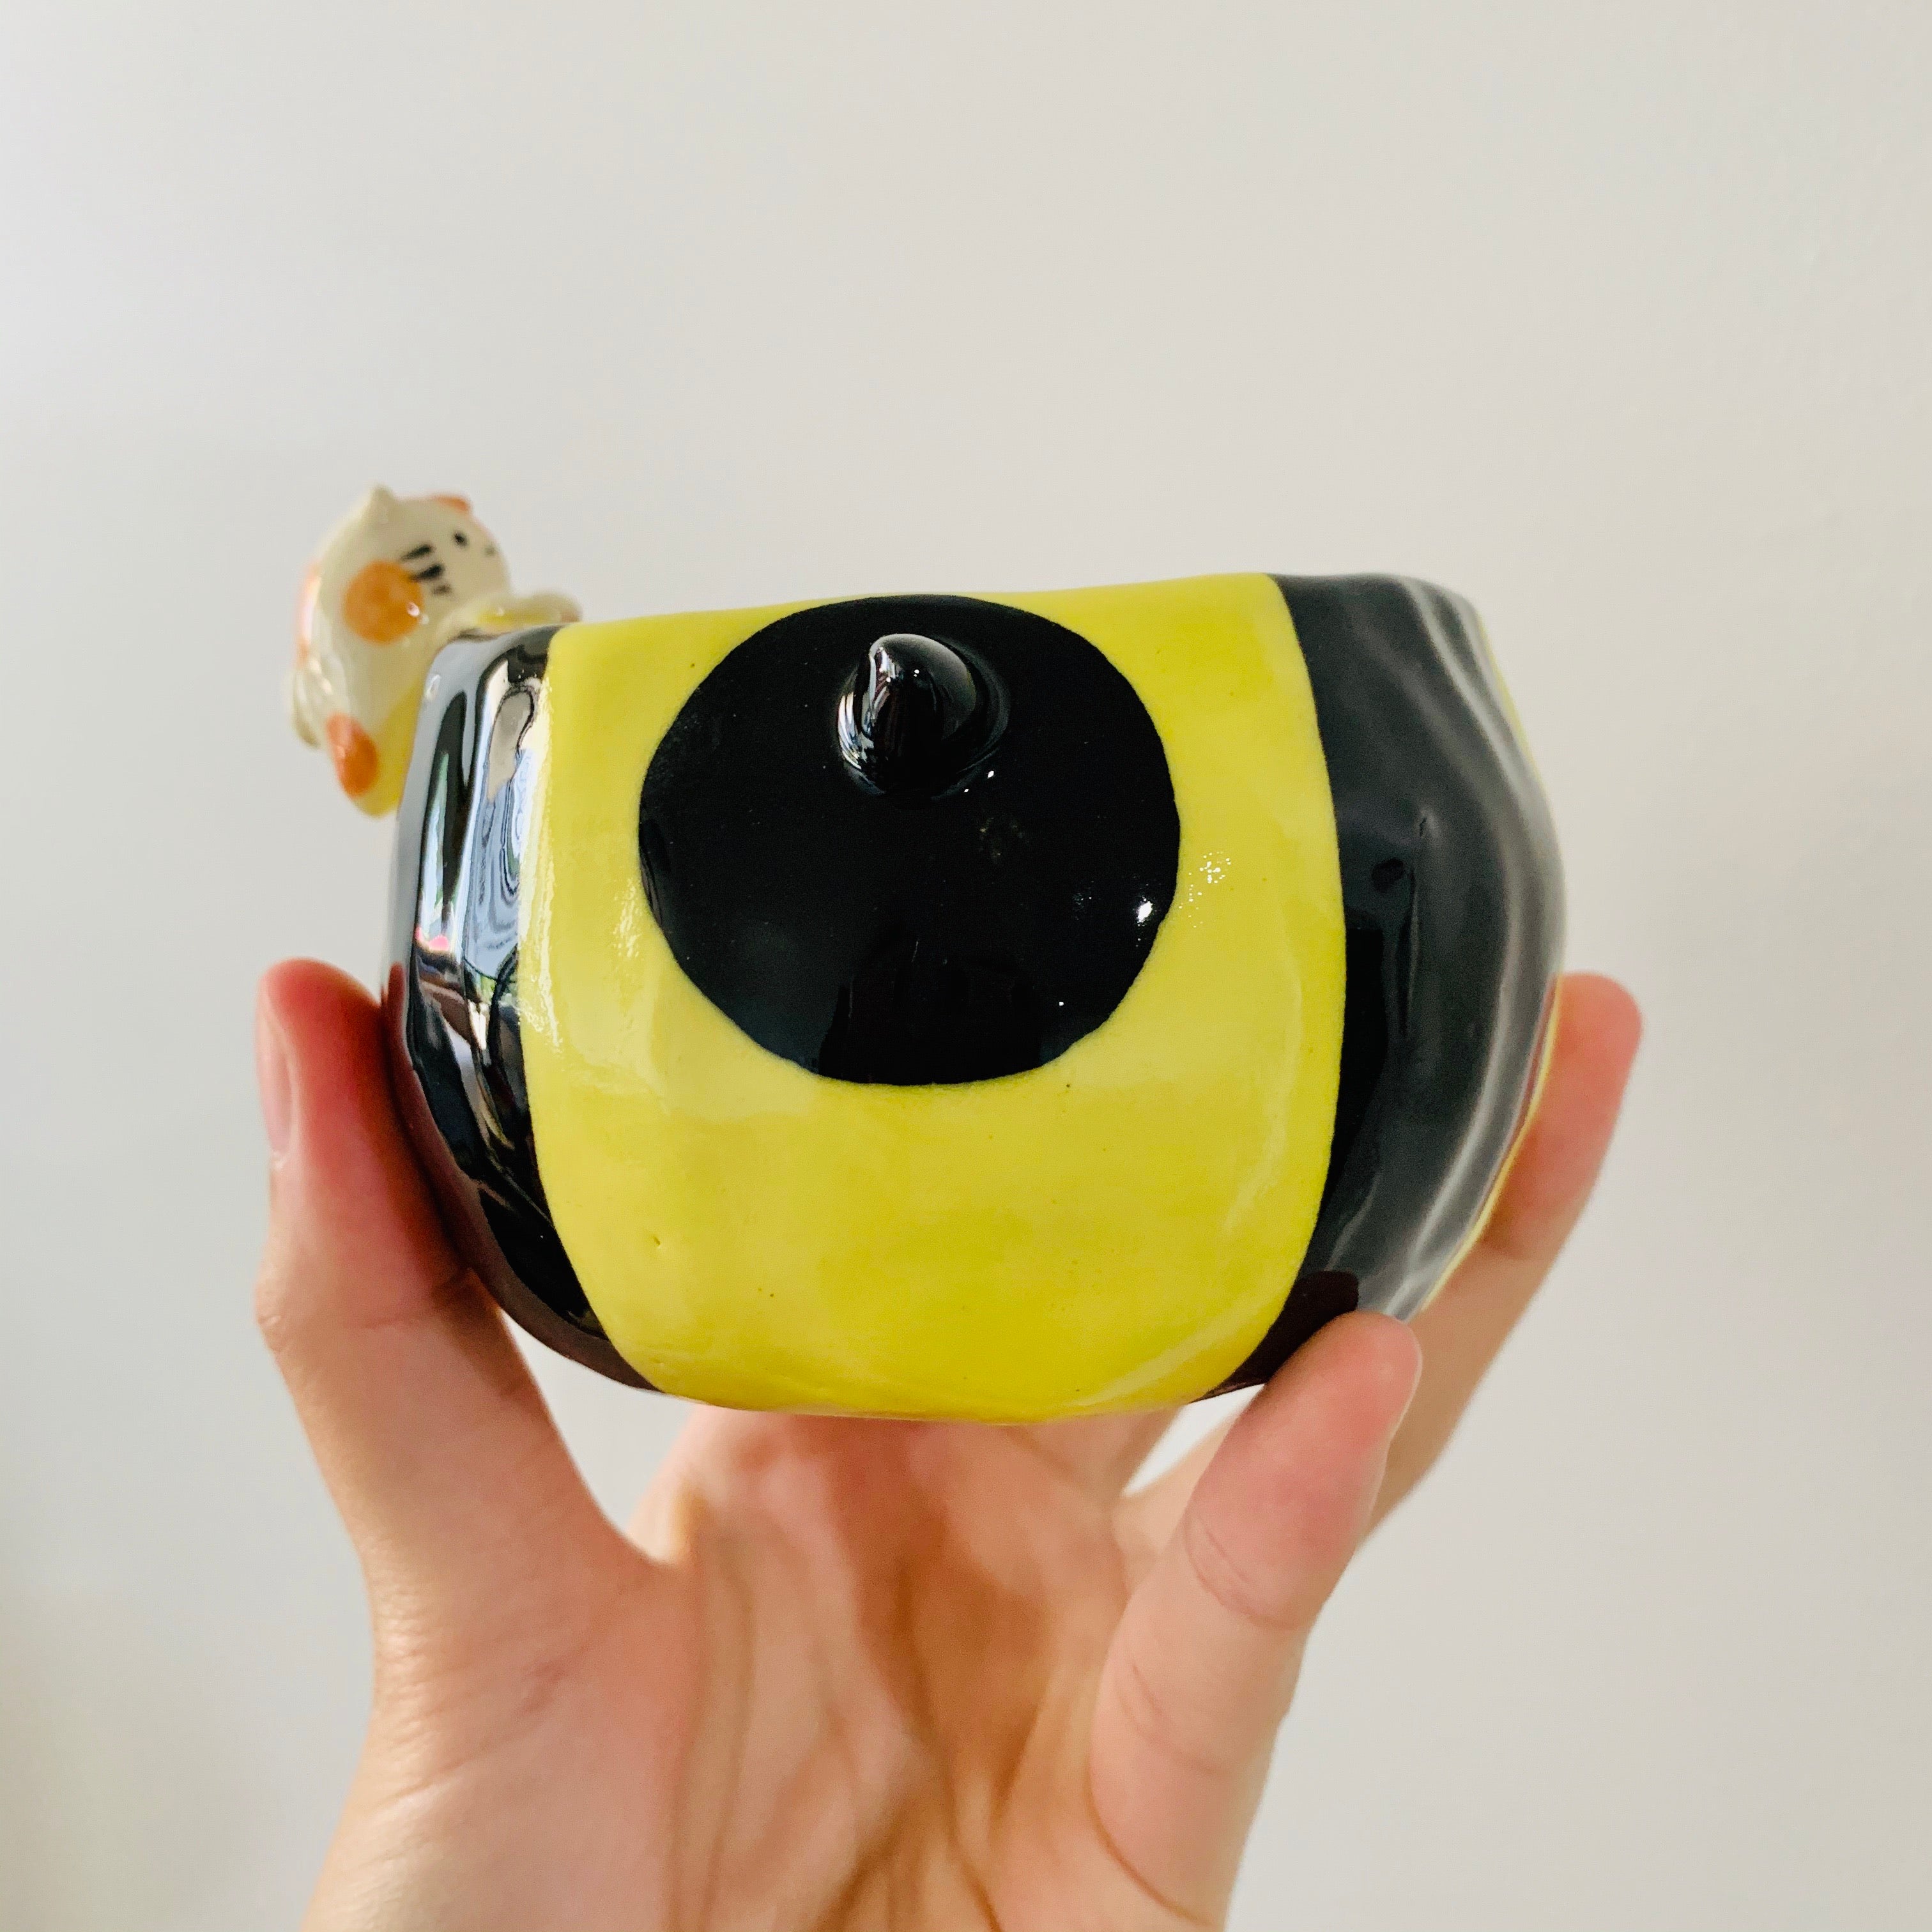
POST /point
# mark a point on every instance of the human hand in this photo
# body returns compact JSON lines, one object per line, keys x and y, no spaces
{"x":840,"y":1674}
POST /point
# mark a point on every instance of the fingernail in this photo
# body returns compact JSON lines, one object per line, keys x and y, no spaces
{"x":271,"y":1072}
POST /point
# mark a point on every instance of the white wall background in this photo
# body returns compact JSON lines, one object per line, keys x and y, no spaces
{"x":1615,"y":315}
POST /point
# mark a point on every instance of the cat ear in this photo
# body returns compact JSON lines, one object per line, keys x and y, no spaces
{"x":378,"y":507}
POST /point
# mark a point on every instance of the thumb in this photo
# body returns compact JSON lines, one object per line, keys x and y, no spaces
{"x":434,"y":1441}
{"x":1204,"y":1662}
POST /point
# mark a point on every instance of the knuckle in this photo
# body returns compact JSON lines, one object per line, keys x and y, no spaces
{"x":1248,"y":1600}
{"x":1172,"y":1729}
{"x":277,"y":1317}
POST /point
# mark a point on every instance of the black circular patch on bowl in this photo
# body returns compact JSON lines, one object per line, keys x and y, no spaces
{"x":912,"y":941}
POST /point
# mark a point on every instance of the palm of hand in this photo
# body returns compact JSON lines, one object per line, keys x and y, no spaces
{"x":859,"y":1694}
{"x":931,"y":1606}
{"x":893,"y":1635}
{"x":843,"y":1674}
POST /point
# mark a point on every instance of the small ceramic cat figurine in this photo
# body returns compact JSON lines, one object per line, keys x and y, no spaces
{"x":398,"y":578}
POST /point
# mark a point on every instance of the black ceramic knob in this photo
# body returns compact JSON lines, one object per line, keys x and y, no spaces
{"x":917,"y":717}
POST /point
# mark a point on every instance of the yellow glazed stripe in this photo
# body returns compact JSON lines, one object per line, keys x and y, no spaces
{"x":1114,"y":1230}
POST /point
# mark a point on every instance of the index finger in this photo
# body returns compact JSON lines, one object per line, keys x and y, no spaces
{"x":1463,"y":1329}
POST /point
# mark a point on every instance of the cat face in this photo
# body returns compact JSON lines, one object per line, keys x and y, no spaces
{"x":396,"y":580}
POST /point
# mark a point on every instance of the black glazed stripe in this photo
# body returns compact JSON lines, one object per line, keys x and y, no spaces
{"x":1452,"y":889}
{"x":922,"y":941}
{"x":453,"y":987}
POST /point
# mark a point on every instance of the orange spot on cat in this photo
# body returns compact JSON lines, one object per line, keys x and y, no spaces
{"x":353,"y":752}
{"x":383,"y":602}
{"x":455,"y":502}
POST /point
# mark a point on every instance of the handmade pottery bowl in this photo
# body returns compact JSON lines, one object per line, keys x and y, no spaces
{"x":1000,"y":1007}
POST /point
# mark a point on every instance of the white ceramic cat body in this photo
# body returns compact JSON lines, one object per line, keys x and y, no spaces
{"x":397,"y":579}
